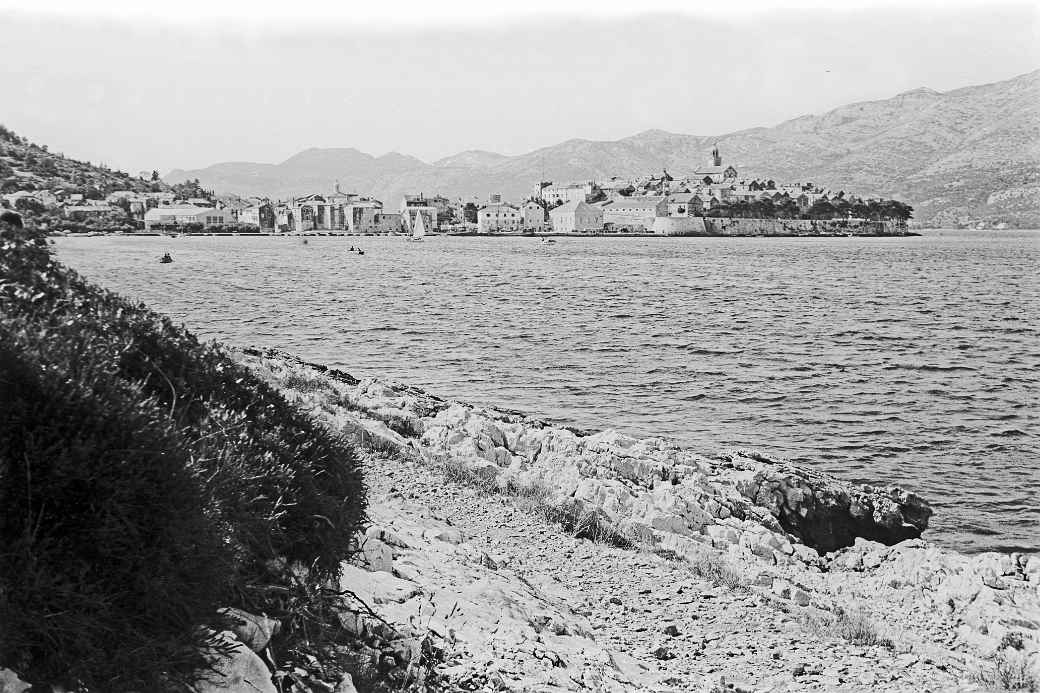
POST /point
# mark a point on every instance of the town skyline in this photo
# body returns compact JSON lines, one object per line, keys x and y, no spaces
{"x":266,"y":93}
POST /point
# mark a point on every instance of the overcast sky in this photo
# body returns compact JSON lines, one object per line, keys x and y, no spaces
{"x":205,"y":81}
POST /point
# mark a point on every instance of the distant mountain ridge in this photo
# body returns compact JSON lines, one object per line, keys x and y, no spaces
{"x":966,"y":155}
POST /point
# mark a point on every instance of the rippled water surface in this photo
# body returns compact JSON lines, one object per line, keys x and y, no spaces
{"x":910,"y":361}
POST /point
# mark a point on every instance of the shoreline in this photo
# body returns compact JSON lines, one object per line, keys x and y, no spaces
{"x":475,"y":234}
{"x":805,"y":538}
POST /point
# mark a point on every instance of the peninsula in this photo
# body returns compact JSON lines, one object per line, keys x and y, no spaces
{"x":67,"y":196}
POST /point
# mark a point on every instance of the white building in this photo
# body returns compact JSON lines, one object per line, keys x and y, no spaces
{"x":533,"y":215}
{"x":567,"y":193}
{"x":498,"y":217}
{"x":179,"y":216}
{"x":634,"y":214}
{"x":576,"y":216}
{"x":250,"y":216}
{"x":715,"y":172}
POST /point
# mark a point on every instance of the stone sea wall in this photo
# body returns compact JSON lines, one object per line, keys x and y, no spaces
{"x":811,"y":538}
{"x":800,"y":227}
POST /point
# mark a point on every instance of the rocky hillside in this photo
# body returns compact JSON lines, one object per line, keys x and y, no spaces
{"x":958,"y":157}
{"x":25,"y":165}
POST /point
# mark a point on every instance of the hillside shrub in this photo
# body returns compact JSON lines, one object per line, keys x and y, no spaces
{"x":145,"y":479}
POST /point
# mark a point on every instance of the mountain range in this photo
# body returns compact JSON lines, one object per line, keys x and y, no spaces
{"x":958,"y":157}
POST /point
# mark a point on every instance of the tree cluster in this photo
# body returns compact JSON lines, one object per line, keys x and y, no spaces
{"x":839,"y":207}
{"x":191,"y":189}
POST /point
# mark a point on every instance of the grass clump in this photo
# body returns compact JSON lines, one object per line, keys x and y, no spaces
{"x":716,"y":570}
{"x":854,"y":626}
{"x":303,"y":382}
{"x":591,"y":524}
{"x":849,"y":624}
{"x":146,"y":479}
{"x":1010,"y":671}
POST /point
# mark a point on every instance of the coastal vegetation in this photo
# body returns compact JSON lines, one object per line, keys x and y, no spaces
{"x":25,"y":165}
{"x":840,"y":207}
{"x":59,"y":192}
{"x":147,"y":481}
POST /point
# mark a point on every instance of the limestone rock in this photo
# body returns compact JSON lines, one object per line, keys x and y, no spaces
{"x":740,"y":519}
{"x":825,"y":513}
{"x":252,"y":630}
{"x":662,"y":651}
{"x":345,"y":685}
{"x":242,"y":672}
{"x":377,"y":554}
{"x":10,"y":683}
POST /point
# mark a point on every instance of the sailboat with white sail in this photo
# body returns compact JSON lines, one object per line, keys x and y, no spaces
{"x":418,"y":229}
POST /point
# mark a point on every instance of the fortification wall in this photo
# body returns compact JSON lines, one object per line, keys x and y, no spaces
{"x":798,"y":227}
{"x":680,"y":226}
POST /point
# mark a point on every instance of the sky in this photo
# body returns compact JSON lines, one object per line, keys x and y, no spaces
{"x":196,"y":82}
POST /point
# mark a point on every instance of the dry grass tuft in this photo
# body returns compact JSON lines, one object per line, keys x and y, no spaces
{"x":303,"y":382}
{"x":851,"y":625}
{"x":717,"y":570}
{"x":1010,"y":672}
{"x":586,"y":524}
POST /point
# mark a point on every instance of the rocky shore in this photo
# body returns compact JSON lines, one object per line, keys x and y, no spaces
{"x":539,"y":557}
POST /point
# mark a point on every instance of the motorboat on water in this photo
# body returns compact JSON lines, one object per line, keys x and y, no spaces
{"x":165,"y":259}
{"x":548,"y":241}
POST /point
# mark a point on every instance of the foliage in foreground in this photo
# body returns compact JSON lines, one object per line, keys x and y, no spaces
{"x":145,"y":481}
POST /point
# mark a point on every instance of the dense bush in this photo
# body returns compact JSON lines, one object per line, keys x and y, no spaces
{"x":145,"y":480}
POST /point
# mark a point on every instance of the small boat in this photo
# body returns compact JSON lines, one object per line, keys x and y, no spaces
{"x":418,"y":229}
{"x":165,"y":259}
{"x":548,"y":241}
{"x":360,"y":251}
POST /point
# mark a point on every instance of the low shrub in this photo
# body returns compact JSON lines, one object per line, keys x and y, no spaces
{"x":301,"y":381}
{"x":1010,"y":671}
{"x":854,"y":626}
{"x":145,"y":479}
{"x":716,"y":570}
{"x":586,"y":524}
{"x":850,"y":624}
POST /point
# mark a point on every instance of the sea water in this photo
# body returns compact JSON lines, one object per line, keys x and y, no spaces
{"x":892,"y":361}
